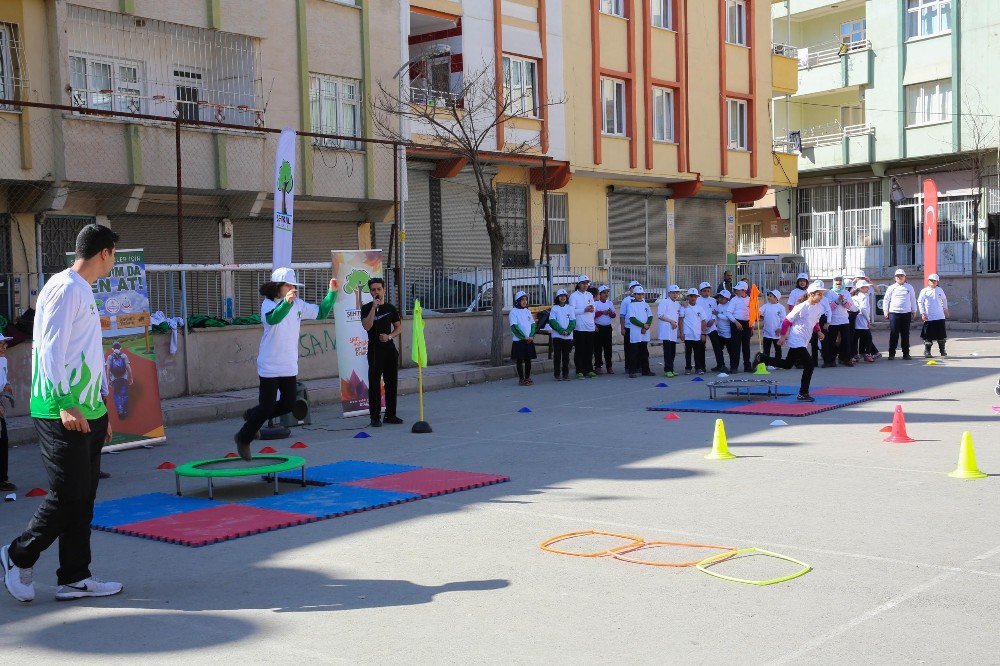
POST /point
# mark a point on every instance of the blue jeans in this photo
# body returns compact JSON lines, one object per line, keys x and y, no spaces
{"x":120,"y":391}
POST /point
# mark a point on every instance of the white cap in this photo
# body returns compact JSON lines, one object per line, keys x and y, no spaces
{"x":932,"y":276}
{"x":725,"y":293}
{"x":816,"y":286}
{"x":633,"y":284}
{"x":561,"y":292}
{"x":900,"y":271}
{"x":849,"y":283}
{"x":704,"y":285}
{"x":582,"y":278}
{"x":776,"y":293}
{"x":838,"y":277}
{"x":692,"y":292}
{"x":802,"y":276}
{"x":741,"y":285}
{"x":519,"y":295}
{"x":603,"y":288}
{"x":639,"y":290}
{"x":286,"y":275}
{"x":673,"y":287}
{"x":861,"y":283}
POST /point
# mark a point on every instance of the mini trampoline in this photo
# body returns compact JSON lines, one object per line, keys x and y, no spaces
{"x":217,"y":468}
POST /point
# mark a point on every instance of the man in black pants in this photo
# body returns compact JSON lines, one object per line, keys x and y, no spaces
{"x":899,"y":304}
{"x":71,"y":421}
{"x":383,"y":323}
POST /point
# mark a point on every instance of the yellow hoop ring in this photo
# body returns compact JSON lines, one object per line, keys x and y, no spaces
{"x":716,"y":559}
{"x":635,"y":541}
{"x":619,"y":555}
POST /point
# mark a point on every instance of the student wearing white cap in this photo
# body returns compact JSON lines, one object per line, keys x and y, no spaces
{"x":899,"y":305}
{"x":796,"y":294}
{"x":796,"y":329}
{"x":724,"y":322}
{"x":739,"y":306}
{"x":281,"y":313}
{"x":562,"y":321}
{"x":522,"y":327}
{"x":582,"y":302}
{"x":933,"y":305}
{"x":837,"y":342}
{"x":623,"y":308}
{"x":604,"y":314}
{"x":668,"y":312}
{"x":862,"y":322}
{"x":693,"y":327}
{"x":772,"y":314}
{"x":640,"y":319}
{"x":710,"y":305}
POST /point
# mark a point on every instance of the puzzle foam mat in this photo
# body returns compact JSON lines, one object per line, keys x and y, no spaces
{"x":337,"y":489}
{"x":827,"y":398}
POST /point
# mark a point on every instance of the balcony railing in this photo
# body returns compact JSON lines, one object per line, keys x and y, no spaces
{"x":815,"y":57}
{"x":161,"y":105}
{"x":438,"y":98}
{"x":785,"y":50}
{"x":821,"y":135}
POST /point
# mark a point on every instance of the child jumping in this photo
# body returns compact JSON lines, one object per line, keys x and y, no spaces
{"x":562,"y":321}
{"x":281,"y":313}
{"x":522,"y":349}
{"x":796,"y":329}
{"x":668,"y":312}
{"x":933,"y":306}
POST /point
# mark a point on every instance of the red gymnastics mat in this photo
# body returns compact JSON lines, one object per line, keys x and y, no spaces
{"x":429,"y":482}
{"x":827,"y":398}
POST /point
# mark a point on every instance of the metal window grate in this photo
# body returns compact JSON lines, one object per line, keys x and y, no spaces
{"x":512,"y":211}
{"x":13,"y":66}
{"x":558,"y":223}
{"x":131,"y":64}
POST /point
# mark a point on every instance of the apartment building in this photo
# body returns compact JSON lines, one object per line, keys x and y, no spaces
{"x":306,"y":64}
{"x":890,"y":93}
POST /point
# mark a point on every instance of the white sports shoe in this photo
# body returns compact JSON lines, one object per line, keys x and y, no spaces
{"x":17,"y":580}
{"x":89,"y":587}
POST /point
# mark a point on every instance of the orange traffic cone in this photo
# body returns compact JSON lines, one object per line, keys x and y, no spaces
{"x":899,"y":435}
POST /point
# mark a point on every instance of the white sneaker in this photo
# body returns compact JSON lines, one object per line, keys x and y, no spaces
{"x":89,"y":587}
{"x":17,"y":580}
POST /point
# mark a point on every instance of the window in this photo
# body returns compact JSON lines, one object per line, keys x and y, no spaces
{"x":737,"y":124}
{"x":853,"y":32}
{"x":928,"y":103}
{"x":13,"y":73}
{"x":818,"y":217}
{"x":927,"y":17}
{"x":663,"y":114}
{"x":749,"y":239}
{"x":104,"y":83}
{"x":519,"y":85}
{"x":558,"y":223}
{"x":613,"y":96}
{"x":512,"y":215}
{"x":736,"y":22}
{"x":861,"y":205}
{"x":188,"y":94}
{"x":613,"y":7}
{"x":663,"y":14}
{"x":335,"y":106}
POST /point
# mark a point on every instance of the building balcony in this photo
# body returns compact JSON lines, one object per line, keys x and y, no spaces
{"x":829,"y":146}
{"x":801,"y":9}
{"x":829,"y":69}
{"x":786,"y":169}
{"x":784,"y":69}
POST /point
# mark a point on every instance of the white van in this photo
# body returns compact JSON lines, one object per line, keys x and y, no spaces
{"x":770,"y":271}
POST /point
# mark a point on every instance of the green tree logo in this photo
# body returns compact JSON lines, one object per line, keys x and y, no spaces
{"x":357,"y":282}
{"x":284,"y":183}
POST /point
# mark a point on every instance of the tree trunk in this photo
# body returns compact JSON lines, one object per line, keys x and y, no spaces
{"x":975,"y":251}
{"x":496,"y":263}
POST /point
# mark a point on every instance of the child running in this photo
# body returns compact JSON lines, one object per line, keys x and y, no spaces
{"x":522,"y":349}
{"x":562,"y":321}
{"x":772,"y":314}
{"x":668,"y":312}
{"x":800,"y":323}
{"x":640,"y":319}
{"x":933,"y":306}
{"x":604,"y":314}
{"x":281,"y":313}
{"x":862,"y":323}
{"x":693,"y":327}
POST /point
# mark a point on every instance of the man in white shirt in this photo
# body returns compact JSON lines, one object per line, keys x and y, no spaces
{"x":68,"y":386}
{"x":582,"y":302}
{"x":899,"y":305}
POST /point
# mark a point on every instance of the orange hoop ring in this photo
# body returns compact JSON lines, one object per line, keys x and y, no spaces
{"x":618,"y":555}
{"x":635,"y":543}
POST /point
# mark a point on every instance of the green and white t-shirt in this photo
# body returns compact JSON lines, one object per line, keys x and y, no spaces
{"x":279,"y":348}
{"x":67,"y":355}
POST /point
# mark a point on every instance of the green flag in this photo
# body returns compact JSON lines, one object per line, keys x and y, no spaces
{"x":419,"y":344}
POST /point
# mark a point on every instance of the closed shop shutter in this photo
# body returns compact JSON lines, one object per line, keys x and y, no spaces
{"x":157,"y":235}
{"x":314,"y":240}
{"x":418,"y":221}
{"x":656,"y":221}
{"x":466,"y":243}
{"x":700,"y":231}
{"x":637,"y":229}
{"x":252,"y":240}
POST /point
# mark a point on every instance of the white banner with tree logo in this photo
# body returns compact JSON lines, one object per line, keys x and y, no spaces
{"x":284,"y":198}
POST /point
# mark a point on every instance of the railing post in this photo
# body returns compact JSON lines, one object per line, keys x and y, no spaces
{"x":187,"y":338}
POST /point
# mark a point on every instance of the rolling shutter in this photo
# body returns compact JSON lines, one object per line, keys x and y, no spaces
{"x":418,"y":221}
{"x":700,"y":231}
{"x":466,"y":243}
{"x":157,"y":235}
{"x":637,"y":229}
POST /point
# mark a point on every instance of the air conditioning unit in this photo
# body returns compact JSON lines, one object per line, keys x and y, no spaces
{"x":604,"y":258}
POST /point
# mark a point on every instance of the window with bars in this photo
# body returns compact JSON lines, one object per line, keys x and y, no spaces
{"x":558,"y":223}
{"x":955,"y":220}
{"x":335,"y":106}
{"x":736,"y":22}
{"x":512,"y":214}
{"x":749,"y":240}
{"x":862,"y":210}
{"x":520,"y":83}
{"x":818,"y":217}
{"x":663,"y":114}
{"x":613,"y":96}
{"x":13,"y":68}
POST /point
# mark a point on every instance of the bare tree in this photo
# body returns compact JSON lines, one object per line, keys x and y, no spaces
{"x":982,"y":139}
{"x":466,"y":122}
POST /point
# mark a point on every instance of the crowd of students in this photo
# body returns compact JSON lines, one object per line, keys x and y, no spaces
{"x":812,"y":321}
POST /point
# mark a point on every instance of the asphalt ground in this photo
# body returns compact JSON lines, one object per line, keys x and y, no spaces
{"x":905,"y":560}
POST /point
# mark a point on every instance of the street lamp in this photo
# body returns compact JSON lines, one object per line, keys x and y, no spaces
{"x":436,"y":51}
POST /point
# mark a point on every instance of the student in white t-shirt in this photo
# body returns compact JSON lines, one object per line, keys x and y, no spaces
{"x":796,"y":329}
{"x":281,"y":314}
{"x":6,"y":401}
{"x":668,"y":311}
{"x":694,"y":323}
{"x":771,"y":314}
